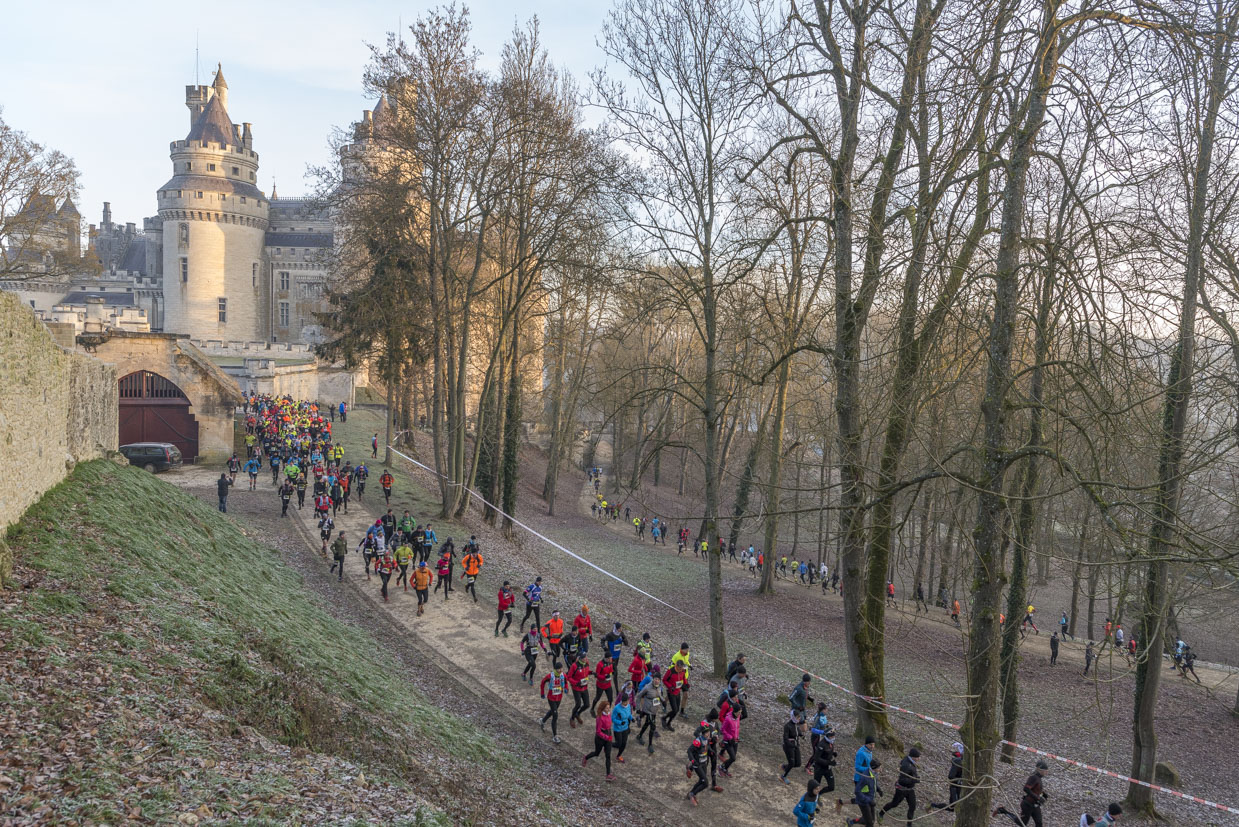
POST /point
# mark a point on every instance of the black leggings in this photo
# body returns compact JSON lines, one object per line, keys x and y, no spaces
{"x":531,"y":664}
{"x":793,"y":759}
{"x":386,"y":576}
{"x":403,"y":577}
{"x":469,"y":581}
{"x":729,"y":749}
{"x":498,"y":620}
{"x":580,"y":702}
{"x":536,"y":611}
{"x":552,"y":715}
{"x":621,"y":741}
{"x":600,"y":690}
{"x":902,"y":795}
{"x":702,"y":784}
{"x":673,"y":707}
{"x":649,"y":723}
{"x":601,"y":747}
{"x":422,"y":596}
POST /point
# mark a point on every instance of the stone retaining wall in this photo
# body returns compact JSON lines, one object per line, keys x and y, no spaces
{"x":57,"y":408}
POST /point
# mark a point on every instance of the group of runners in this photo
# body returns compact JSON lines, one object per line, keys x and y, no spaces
{"x":631,"y":688}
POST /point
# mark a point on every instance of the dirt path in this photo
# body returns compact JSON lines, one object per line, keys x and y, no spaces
{"x":461,"y":634}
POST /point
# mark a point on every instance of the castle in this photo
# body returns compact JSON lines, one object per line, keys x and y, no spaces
{"x":220,"y":262}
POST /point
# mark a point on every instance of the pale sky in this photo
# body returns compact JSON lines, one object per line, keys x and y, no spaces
{"x":105,"y":82}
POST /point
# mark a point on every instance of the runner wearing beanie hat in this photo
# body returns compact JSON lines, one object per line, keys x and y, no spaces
{"x":905,"y":787}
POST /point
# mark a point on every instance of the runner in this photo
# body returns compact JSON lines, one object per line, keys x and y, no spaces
{"x":806,"y":807}
{"x":954,"y":779}
{"x":325,"y":525}
{"x":604,"y":681}
{"x":533,"y":602}
{"x":553,"y":631}
{"x":621,"y":722}
{"x":506,"y":601}
{"x":650,"y":701}
{"x":421,"y":584}
{"x":234,"y":465}
{"x":673,"y":680}
{"x":793,"y":731}
{"x":612,"y":644}
{"x":404,"y":556}
{"x":698,"y":754}
{"x":552,"y":691}
{"x":578,"y":679}
{"x":385,"y":567}
{"x":444,"y":570}
{"x":1028,"y":620}
{"x":1108,"y":818}
{"x":472,"y":565}
{"x":905,"y":787}
{"x":867,"y":790}
{"x":286,"y":496}
{"x":1034,"y":796}
{"x":602,"y":736}
{"x":729,"y":731}
{"x":584,"y":625}
{"x":531,"y":642}
{"x":339,"y":550}
{"x":252,"y":467}
{"x":385,"y":482}
{"x":681,"y":659}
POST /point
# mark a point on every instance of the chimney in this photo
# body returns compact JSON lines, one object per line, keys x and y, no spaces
{"x":247,"y":136}
{"x":107,"y":214}
{"x":131,"y":228}
{"x":236,"y":134}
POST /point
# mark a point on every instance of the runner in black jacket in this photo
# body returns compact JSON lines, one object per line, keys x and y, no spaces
{"x":905,"y":787}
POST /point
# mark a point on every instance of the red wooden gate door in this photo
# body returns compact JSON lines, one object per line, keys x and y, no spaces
{"x":154,"y":409}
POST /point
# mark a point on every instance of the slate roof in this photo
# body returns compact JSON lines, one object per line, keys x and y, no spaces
{"x":298,"y":240}
{"x":68,"y":209}
{"x":213,"y":125}
{"x":113,"y":299}
{"x":209,"y":183}
{"x":134,"y":259}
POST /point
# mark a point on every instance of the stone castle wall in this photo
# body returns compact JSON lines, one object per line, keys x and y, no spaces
{"x":57,"y":408}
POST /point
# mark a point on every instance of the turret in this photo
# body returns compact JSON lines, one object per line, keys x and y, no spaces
{"x":221,"y":85}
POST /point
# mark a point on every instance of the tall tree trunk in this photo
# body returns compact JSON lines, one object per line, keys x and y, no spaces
{"x":980,"y":731}
{"x":512,"y":433}
{"x":744,"y":487}
{"x":1076,"y":571}
{"x":774,"y":477}
{"x":821,"y":512}
{"x":1163,"y":532}
{"x":1024,"y":525}
{"x":796,"y":511}
{"x":922,"y":541}
{"x":711,"y":416}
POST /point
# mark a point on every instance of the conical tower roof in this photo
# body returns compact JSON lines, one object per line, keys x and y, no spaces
{"x":213,"y":124}
{"x":68,"y":208}
{"x":219,"y":77}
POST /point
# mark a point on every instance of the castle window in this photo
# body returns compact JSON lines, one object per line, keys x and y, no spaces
{"x":292,"y":251}
{"x":200,"y":195}
{"x":255,"y":274}
{"x":279,"y":251}
{"x":251,"y":176}
{"x":210,"y":167}
{"x":283,"y":314}
{"x":236,"y":171}
{"x":242,"y":199}
{"x":184,"y":271}
{"x":283,"y":279}
{"x":188,"y":166}
{"x":223,"y":310}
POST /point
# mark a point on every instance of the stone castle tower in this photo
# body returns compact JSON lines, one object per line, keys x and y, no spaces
{"x":214,"y":222}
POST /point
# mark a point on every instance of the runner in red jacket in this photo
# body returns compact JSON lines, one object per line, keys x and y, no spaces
{"x":673,"y":679}
{"x":506,"y":600}
{"x":578,"y":679}
{"x":604,"y":675}
{"x":553,"y":686}
{"x":637,"y":669}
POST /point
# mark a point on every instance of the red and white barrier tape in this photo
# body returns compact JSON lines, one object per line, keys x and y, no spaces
{"x":875,"y":701}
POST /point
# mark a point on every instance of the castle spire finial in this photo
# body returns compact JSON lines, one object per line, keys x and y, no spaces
{"x":274,"y":194}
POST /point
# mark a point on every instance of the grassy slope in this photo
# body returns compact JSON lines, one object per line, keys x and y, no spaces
{"x":148,"y":606}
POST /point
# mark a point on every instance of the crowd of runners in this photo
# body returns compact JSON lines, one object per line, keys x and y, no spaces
{"x":634,"y":685}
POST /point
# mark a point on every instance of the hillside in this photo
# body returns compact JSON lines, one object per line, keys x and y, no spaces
{"x":160,"y":665}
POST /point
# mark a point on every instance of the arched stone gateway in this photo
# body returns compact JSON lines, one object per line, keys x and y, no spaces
{"x":154,"y":409}
{"x":166,"y":384}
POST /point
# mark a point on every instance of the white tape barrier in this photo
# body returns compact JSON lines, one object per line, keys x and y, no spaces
{"x":875,"y":701}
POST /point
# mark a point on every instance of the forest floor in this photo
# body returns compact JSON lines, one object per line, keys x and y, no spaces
{"x":1064,"y":712}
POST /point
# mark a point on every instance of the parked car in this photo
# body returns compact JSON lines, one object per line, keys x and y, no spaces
{"x":153,"y":456}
